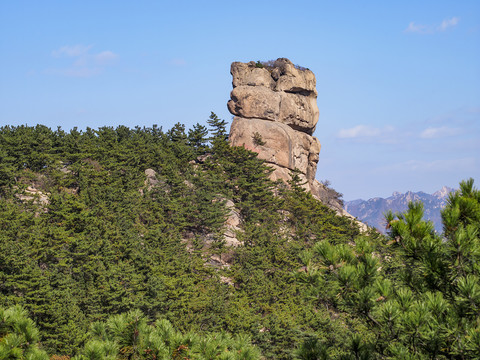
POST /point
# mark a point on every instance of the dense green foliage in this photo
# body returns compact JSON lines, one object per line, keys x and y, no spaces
{"x":129,"y":336}
{"x":418,"y":296}
{"x":108,"y":260}
{"x":19,"y":336}
{"x":124,"y":336}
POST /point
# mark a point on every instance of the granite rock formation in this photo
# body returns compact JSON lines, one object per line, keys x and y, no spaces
{"x":276,"y":112}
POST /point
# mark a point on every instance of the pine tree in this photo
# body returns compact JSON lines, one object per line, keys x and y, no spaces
{"x":128,"y":336}
{"x":197,"y":139}
{"x":219,"y":133}
{"x":19,"y":336}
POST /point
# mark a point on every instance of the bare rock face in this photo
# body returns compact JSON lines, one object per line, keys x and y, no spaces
{"x":36,"y":196}
{"x":298,"y":111}
{"x":255,"y":102}
{"x":250,"y":75}
{"x":151,"y":179}
{"x":289,"y":78}
{"x":281,"y":145}
{"x":232,"y":223}
{"x":276,"y":104}
{"x":275,"y":108}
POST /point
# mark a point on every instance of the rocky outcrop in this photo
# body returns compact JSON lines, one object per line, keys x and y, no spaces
{"x":36,"y":196}
{"x":276,"y":112}
{"x":232,"y":225}
{"x":151,"y":178}
{"x":281,"y":146}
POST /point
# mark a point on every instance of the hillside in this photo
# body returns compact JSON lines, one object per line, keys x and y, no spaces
{"x":100,"y":222}
{"x":372,"y":211}
{"x":117,"y":244}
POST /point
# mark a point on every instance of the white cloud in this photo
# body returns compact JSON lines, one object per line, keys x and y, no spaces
{"x":430,"y":29}
{"x":85,"y":63}
{"x":105,"y":57}
{"x":447,"y":23}
{"x":417,"y":28}
{"x":363,"y":131}
{"x":438,"y":132}
{"x":358,"y":131}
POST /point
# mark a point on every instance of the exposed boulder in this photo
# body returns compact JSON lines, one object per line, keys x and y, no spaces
{"x":232,"y":225}
{"x":151,"y":178}
{"x":281,"y":145}
{"x":295,"y":110}
{"x":36,"y":196}
{"x":276,"y":112}
{"x":250,"y":75}
{"x":255,"y":102}
{"x":40,"y":199}
{"x":280,"y":75}
{"x":277,"y":92}
{"x":277,"y":104}
{"x":299,"y":112}
{"x":291,"y":78}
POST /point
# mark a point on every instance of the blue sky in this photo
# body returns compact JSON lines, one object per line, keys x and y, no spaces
{"x":398,"y":81}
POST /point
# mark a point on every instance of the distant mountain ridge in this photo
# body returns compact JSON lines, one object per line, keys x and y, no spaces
{"x":372,"y":211}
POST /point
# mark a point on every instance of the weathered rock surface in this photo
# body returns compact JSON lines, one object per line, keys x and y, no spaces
{"x":278,"y":104}
{"x":298,"y":111}
{"x":249,"y":74}
{"x":290,"y":78}
{"x":232,"y":225}
{"x":151,"y":178}
{"x":276,"y":112}
{"x":282,"y":145}
{"x":255,"y":102}
{"x":36,"y":196}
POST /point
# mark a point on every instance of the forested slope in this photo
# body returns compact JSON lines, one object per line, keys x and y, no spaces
{"x":86,"y":239}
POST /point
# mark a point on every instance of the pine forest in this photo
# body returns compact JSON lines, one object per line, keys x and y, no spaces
{"x":113,"y":246}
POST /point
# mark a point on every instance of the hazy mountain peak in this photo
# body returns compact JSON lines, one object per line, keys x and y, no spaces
{"x":372,"y":211}
{"x":443,"y":192}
